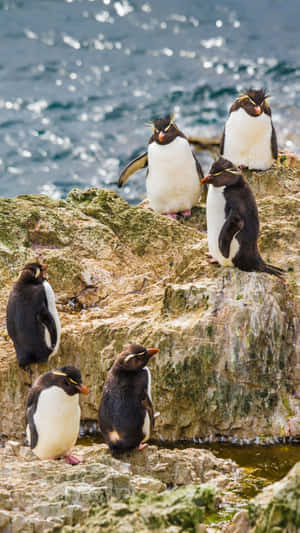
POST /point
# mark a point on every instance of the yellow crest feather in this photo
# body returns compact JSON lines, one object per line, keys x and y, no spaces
{"x":131,"y":355}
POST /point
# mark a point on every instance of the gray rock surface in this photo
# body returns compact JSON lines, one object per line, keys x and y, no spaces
{"x":49,"y":495}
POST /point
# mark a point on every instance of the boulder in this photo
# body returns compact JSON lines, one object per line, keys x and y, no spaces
{"x":277,"y":509}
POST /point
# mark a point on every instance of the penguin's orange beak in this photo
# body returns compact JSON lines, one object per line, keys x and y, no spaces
{"x":152,"y":351}
{"x":206,"y":178}
{"x":161,"y":136}
{"x":257,"y":109}
{"x":44,"y":267}
{"x":82,"y":388}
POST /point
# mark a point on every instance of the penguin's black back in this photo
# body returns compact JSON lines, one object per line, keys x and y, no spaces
{"x":240,"y":198}
{"x":24,"y":325}
{"x":121,"y":408}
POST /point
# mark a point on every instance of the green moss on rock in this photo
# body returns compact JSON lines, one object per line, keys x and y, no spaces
{"x":184,"y":507}
{"x":277,"y":507}
{"x":143,"y":230}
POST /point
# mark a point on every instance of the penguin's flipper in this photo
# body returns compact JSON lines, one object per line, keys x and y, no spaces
{"x":146,"y":402}
{"x":274,"y":146}
{"x":222,"y":140}
{"x":232,"y":225}
{"x":30,"y":410}
{"x":198,"y":167}
{"x":140,"y":162}
{"x":47,"y":320}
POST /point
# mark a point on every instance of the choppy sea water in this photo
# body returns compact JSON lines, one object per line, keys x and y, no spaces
{"x":80,"y":78}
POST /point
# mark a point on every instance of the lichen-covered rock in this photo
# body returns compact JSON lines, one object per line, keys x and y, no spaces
{"x":107,"y":494}
{"x":227,"y":364}
{"x":277,"y":508}
{"x":181,"y":467}
{"x":179,"y":510}
{"x":240,"y":523}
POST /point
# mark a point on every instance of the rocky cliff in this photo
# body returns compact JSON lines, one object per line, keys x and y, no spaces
{"x":227,"y":364}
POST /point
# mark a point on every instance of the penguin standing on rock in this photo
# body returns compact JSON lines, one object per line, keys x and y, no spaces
{"x":174,"y":172}
{"x":249,"y":138}
{"x":31,"y":316}
{"x":126,"y":415}
{"x":232,"y":220}
{"x":53,"y":413}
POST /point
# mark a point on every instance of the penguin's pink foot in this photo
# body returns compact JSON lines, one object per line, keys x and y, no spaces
{"x":186,"y":213}
{"x":173,"y":216}
{"x":211,"y":259}
{"x":142,"y":446}
{"x":71,"y":459}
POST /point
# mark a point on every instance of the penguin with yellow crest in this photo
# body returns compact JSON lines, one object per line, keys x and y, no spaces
{"x":249,"y":138}
{"x":126,"y":415}
{"x":174,"y":172}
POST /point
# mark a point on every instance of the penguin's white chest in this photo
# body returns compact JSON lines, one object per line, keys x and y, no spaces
{"x":57,"y":421}
{"x":248,"y":140}
{"x":147,"y":422}
{"x":215,"y":217}
{"x":148,"y":382}
{"x":53,"y":311}
{"x":172,"y":182}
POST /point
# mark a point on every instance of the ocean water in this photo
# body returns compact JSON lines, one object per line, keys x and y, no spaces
{"x":80,"y":78}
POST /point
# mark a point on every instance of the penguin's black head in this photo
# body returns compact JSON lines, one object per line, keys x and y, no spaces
{"x":254,"y":102}
{"x":223,"y":173}
{"x":33,"y":273}
{"x":165,"y":130}
{"x":134,"y":358}
{"x":69,"y":379}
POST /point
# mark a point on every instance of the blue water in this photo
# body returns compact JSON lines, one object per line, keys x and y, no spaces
{"x":79,"y":79}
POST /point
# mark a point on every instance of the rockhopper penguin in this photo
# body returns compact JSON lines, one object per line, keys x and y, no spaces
{"x":232,"y":220}
{"x":31,"y":316}
{"x":53,"y":413}
{"x":174,"y":172}
{"x":249,"y":138}
{"x":126,"y":415}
